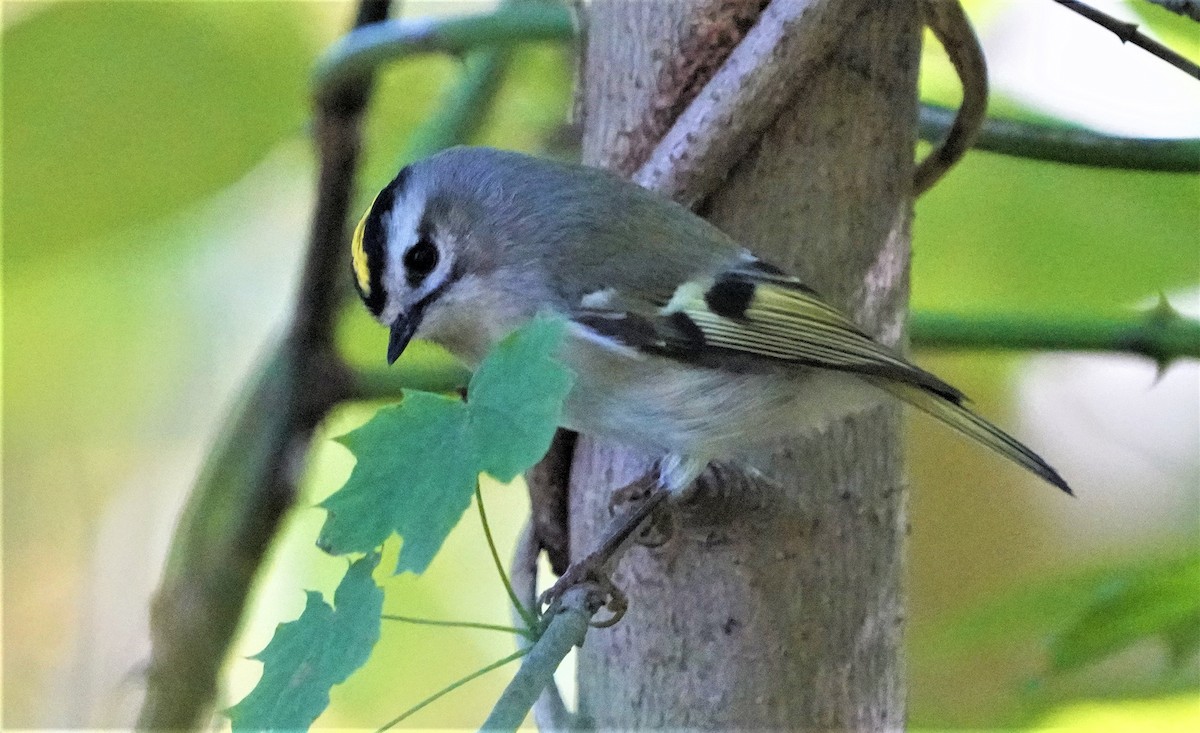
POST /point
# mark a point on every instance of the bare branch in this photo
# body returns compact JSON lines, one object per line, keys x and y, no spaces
{"x":565,"y":631}
{"x":549,"y":712}
{"x":746,"y":95}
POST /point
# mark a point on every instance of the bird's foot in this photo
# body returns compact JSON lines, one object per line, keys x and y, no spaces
{"x":590,"y":571}
{"x":595,"y":568}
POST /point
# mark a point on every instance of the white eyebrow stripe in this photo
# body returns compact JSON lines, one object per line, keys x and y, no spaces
{"x":400,"y":225}
{"x":403,"y":223}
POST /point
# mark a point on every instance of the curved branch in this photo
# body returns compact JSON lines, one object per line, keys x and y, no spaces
{"x":380,"y":383}
{"x":367,"y":48}
{"x":753,"y":86}
{"x":1070,"y":145}
{"x":1129,"y":33}
{"x":1160,"y":334}
{"x":950,"y":25}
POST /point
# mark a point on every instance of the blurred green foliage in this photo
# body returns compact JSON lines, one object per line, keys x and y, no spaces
{"x":116,"y":113}
{"x":124,"y":126}
{"x":1010,"y":234}
{"x":1154,"y":602}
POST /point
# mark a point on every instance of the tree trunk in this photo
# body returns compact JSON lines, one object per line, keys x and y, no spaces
{"x":772,"y":606}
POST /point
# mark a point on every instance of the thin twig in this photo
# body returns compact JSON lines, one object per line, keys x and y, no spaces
{"x":1160,"y":334}
{"x":1074,"y":146}
{"x":753,"y":86}
{"x":461,"y":111}
{"x":565,"y":631}
{"x":389,"y":383}
{"x":549,"y":711}
{"x":1129,"y":33}
{"x":950,"y":25}
{"x":931,"y":330}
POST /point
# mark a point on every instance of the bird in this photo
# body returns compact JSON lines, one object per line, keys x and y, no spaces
{"x":682,"y":342}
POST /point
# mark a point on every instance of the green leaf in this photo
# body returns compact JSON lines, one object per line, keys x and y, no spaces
{"x":1160,"y":601}
{"x":310,"y":655}
{"x":418,"y":462}
{"x":516,"y":400}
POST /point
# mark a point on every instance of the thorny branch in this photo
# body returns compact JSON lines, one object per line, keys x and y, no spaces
{"x":1159,"y":334}
{"x":1129,"y":33}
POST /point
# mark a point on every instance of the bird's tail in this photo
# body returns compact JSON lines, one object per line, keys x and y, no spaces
{"x":956,"y":415}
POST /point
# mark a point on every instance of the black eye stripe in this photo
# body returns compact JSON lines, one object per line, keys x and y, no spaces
{"x":373,"y":238}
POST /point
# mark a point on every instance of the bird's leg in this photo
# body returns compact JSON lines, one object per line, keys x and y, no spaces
{"x":659,"y":527}
{"x":595,"y":568}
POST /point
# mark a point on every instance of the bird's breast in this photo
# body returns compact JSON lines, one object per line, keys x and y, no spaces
{"x":660,"y":405}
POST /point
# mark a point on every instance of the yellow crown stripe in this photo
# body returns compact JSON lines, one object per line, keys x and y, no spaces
{"x":358,"y":253}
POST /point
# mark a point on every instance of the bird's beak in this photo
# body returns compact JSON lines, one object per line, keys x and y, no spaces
{"x":402,"y":332}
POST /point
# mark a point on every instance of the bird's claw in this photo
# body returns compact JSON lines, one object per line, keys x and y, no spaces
{"x":587,"y":572}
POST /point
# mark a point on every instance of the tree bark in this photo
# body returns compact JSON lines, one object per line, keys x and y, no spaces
{"x":773,"y":606}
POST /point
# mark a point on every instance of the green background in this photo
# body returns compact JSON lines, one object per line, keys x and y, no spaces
{"x":157,"y":182}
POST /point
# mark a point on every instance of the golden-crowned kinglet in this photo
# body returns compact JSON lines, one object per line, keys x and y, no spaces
{"x":683,"y":343}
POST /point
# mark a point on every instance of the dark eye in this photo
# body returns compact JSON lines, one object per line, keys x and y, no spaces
{"x":421,"y":259}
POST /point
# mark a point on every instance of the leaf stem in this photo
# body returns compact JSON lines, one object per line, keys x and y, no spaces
{"x":459,"y":625}
{"x":531,"y":620}
{"x":454,"y":686}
